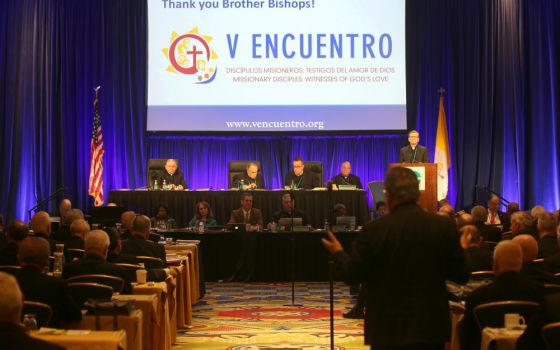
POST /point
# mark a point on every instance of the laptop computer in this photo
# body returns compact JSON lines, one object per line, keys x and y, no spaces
{"x":347,"y":221}
{"x":236,"y":227}
{"x":287,"y":222}
{"x":346,"y":187}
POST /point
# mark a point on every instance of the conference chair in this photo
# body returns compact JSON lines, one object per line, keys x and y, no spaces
{"x":43,"y":312}
{"x":551,"y":335}
{"x":492,"y":314}
{"x":116,"y":283}
{"x":483,"y":275}
{"x":316,"y":168}
{"x":550,"y":288}
{"x":150,"y":262}
{"x":11,"y":269}
{"x":154,"y":168}
{"x":82,"y":291}
{"x":237,"y":168}
{"x":74,"y":254}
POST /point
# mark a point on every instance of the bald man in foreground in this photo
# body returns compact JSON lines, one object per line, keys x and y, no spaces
{"x":509,"y":285}
{"x":531,"y":269}
{"x":12,"y":334}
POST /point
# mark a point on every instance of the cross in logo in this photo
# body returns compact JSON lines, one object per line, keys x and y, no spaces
{"x":194,"y":53}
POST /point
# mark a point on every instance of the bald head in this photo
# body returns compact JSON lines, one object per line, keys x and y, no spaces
{"x":126,"y":219}
{"x":11,"y":299}
{"x":447,"y":209}
{"x":79,"y":228}
{"x":464,"y":219}
{"x":529,"y":246}
{"x":507,"y":257}
{"x":41,"y":222}
{"x":97,"y":242}
{"x":64,"y":207}
{"x":73,"y":214}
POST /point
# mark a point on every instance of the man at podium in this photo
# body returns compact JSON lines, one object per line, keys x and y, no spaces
{"x":413,"y":153}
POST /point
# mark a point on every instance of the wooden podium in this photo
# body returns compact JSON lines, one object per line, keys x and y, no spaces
{"x":428,"y":196}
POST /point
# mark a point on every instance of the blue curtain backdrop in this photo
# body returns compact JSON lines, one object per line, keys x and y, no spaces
{"x":498,"y":61}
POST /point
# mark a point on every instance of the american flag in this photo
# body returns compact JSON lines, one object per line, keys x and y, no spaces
{"x":96,"y":160}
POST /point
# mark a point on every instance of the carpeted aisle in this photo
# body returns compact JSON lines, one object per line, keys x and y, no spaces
{"x":253,"y":316}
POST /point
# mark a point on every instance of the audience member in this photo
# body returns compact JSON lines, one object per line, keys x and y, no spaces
{"x":532,"y":269}
{"x":508,"y":285}
{"x":488,"y":232}
{"x":17,"y":232}
{"x":203,"y":213}
{"x":552,"y":263}
{"x":63,"y":233}
{"x":537,"y":211}
{"x":139,"y":245}
{"x":247,"y":214}
{"x":12,"y":334}
{"x":546,"y":228}
{"x":448,"y":210}
{"x":345,"y":177}
{"x":126,"y":224}
{"x":404,"y":260}
{"x":78,"y":231}
{"x":521,"y":223}
{"x":162,"y":220}
{"x":114,"y":255}
{"x":94,"y":262}
{"x":479,"y":255}
{"x":548,"y":312}
{"x":41,"y":226}
{"x":463,"y":219}
{"x":33,"y":256}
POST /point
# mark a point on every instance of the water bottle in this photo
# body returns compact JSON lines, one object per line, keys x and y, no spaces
{"x":164,"y":186}
{"x":155,"y":185}
{"x":241,"y":185}
{"x":201,"y":226}
{"x":326,"y":225}
{"x":29,"y":322}
{"x":60,"y":249}
{"x":57,"y":268}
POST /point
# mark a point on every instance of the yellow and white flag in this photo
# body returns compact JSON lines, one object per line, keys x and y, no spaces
{"x":441,"y":157}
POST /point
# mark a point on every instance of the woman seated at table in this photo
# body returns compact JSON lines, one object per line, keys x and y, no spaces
{"x":162,"y":219}
{"x":203,"y":214}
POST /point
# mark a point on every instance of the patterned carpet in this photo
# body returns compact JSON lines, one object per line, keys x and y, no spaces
{"x":254,"y":316}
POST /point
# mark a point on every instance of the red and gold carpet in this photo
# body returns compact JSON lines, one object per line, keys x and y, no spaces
{"x":259,"y":316}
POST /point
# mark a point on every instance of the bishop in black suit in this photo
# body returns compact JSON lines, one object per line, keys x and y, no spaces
{"x":413,"y":153}
{"x":404,"y":260}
